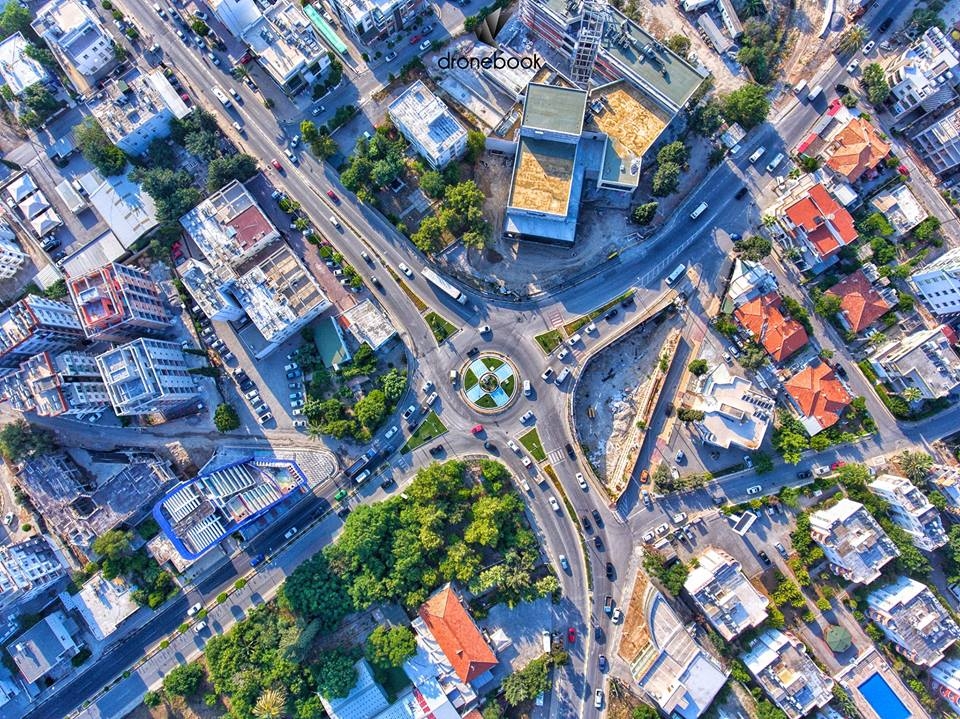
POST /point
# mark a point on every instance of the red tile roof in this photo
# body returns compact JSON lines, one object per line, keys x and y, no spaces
{"x":860,"y":303}
{"x":457,"y":634}
{"x":856,"y":149}
{"x":819,"y":394}
{"x":764,"y":318}
{"x":825,"y":222}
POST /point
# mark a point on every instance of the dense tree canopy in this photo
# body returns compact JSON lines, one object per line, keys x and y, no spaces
{"x":97,"y":148}
{"x":20,"y":441}
{"x":224,"y":170}
{"x":335,"y":674}
{"x":747,"y":105}
{"x":390,"y":647}
{"x":313,"y":591}
{"x":183,"y":680}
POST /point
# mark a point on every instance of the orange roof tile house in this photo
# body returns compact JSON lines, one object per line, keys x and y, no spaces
{"x":855,"y":150}
{"x":819,"y":225}
{"x":456,"y":634}
{"x":765,"y":319}
{"x":818,"y":396}
{"x":860,"y":303}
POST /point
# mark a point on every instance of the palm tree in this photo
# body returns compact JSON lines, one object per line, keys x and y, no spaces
{"x":314,"y":430}
{"x":271,"y":704}
{"x":912,"y":394}
{"x":853,"y":39}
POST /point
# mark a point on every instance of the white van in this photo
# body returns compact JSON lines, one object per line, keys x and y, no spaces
{"x":526,"y":388}
{"x":775,"y":162}
{"x":701,"y":208}
{"x":757,"y":154}
{"x":675,"y":275}
{"x":815,"y":92}
{"x":800,"y":88}
{"x":562,"y":377}
{"x":221,"y":96}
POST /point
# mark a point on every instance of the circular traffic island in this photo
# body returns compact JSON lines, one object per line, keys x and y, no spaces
{"x":489,"y":383}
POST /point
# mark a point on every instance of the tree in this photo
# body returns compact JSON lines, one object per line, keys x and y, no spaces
{"x":315,"y":591}
{"x":680,"y":44}
{"x":463,"y":208}
{"x":223,"y":170}
{"x":476,"y":145}
{"x":371,"y":409}
{"x":747,"y":105}
{"x":97,"y":148}
{"x":40,"y":105}
{"x":433,"y":184}
{"x":675,"y":152}
{"x":393,"y":383}
{"x":112,"y":545}
{"x":853,"y":39}
{"x":666,"y":179}
{"x":203,"y":144}
{"x":183,"y":680}
{"x":827,"y":305}
{"x":849,"y":100}
{"x":152,"y":699}
{"x":926,"y":230}
{"x":15,"y":18}
{"x":644,"y":214}
{"x":915,"y":465}
{"x":271,"y":704}
{"x":225,"y":418}
{"x":308,"y":129}
{"x":387,"y":648}
{"x":698,"y":367}
{"x":644,"y":711}
{"x":20,"y":441}
{"x":199,"y":27}
{"x":334,"y":674}
{"x":912,"y":394}
{"x":427,"y":236}
{"x":875,"y":80}
{"x":525,"y":684}
{"x":754,"y":247}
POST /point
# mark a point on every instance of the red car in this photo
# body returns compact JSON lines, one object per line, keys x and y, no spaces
{"x":415,"y":39}
{"x":276,"y":164}
{"x":837,"y":465}
{"x":333,"y":196}
{"x":571,"y":635}
{"x":477,"y":429}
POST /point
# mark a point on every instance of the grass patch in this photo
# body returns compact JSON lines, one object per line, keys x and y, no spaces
{"x":414,"y":297}
{"x":508,"y":385}
{"x":393,"y":681}
{"x":491,"y":363}
{"x":429,"y":429}
{"x":531,"y":442}
{"x":439,"y":326}
{"x":486,"y":402}
{"x":469,"y":379}
{"x":572,"y":327}
{"x":549,"y":340}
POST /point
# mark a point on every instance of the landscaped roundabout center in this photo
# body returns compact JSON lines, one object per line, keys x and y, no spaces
{"x":489,"y":382}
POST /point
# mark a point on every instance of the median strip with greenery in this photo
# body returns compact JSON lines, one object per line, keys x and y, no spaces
{"x":531,"y":442}
{"x":549,"y":340}
{"x":431,"y":428}
{"x":576,"y":324}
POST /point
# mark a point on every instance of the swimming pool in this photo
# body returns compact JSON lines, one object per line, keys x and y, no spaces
{"x":880,"y":696}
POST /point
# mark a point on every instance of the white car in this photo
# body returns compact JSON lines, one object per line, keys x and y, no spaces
{"x":237,"y":126}
{"x":675,"y":472}
{"x":547,"y":373}
{"x":617,"y":616}
{"x":432,"y":398}
{"x":553,"y":503}
{"x":290,"y":367}
{"x":662,"y":528}
{"x":581,"y":481}
{"x":405,"y":270}
{"x":425,"y":45}
{"x":852,"y":67}
{"x":513,"y":445}
{"x":868,"y":47}
{"x":526,"y":461}
{"x":755,"y":489}
{"x":392,"y":431}
{"x":526,"y":416}
{"x":194,"y":609}
{"x":290,"y":532}
{"x":562,"y":353}
{"x":648,"y":538}
{"x":598,"y":699}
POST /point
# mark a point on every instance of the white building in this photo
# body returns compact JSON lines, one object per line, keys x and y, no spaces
{"x":939,"y":142}
{"x":147,"y":376}
{"x":36,"y":324}
{"x":77,"y":40}
{"x":946,"y":681}
{"x":282,"y":39}
{"x":103,"y":603}
{"x":911,"y":510}
{"x":61,"y":384}
{"x":727,"y":598}
{"x":128,"y":211}
{"x":17,"y":69}
{"x":854,"y":544}
{"x":937,"y":283}
{"x":137,"y":108}
{"x":901,"y":208}
{"x":924,"y":360}
{"x":780,"y":664}
{"x":428,"y":125}
{"x":370,"y":19}
{"x":27,"y":569}
{"x":12,"y":258}
{"x":749,"y":281}
{"x":925,"y":74}
{"x":734,"y":413}
{"x":911,"y":617}
{"x":946,"y":478}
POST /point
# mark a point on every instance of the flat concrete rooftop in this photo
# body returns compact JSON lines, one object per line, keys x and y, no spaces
{"x":542,"y":176}
{"x":553,"y":108}
{"x":632,"y":122}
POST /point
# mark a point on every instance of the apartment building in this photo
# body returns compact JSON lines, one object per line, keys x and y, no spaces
{"x":946,"y":478}
{"x":428,"y":125}
{"x":924,"y":360}
{"x":925,"y":75}
{"x":137,"y":108}
{"x":12,"y":257}
{"x":788,"y":675}
{"x":27,"y":569}
{"x":913,"y":619}
{"x":81,"y":45}
{"x":36,"y":324}
{"x":147,"y":376}
{"x":722,"y":592}
{"x":945,"y":675}
{"x":45,"y":649}
{"x":376,"y":19}
{"x":18,"y":70}
{"x":854,"y":544}
{"x":734,"y":413}
{"x":939,"y":142}
{"x":911,"y":510}
{"x":900,"y":207}
{"x":118,"y":302}
{"x":937,"y":283}
{"x":749,"y":281}
{"x":56,"y":384}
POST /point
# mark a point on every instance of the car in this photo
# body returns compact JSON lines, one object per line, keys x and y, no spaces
{"x":390,"y":56}
{"x":547,"y":374}
{"x":485,"y":330}
{"x":780,"y":548}
{"x":602,"y":663}
{"x":343,"y":512}
{"x":408,"y":412}
{"x":741,"y":193}
{"x":662,"y":529}
{"x":598,"y":699}
{"x":680,"y":456}
{"x":571,"y":635}
{"x":617,"y":615}
{"x":489,"y":446}
{"x":553,"y":503}
{"x":264,"y":418}
{"x":473,"y":352}
{"x":564,"y":564}
{"x":295,"y":396}
{"x":837,"y":465}
{"x":376,"y":281}
{"x":748,"y":461}
{"x":646,"y":497}
{"x":763,"y":557}
{"x":727,"y":358}
{"x":885,"y":25}
{"x":9,"y":518}
{"x":290,"y":532}
{"x":213,"y":58}
{"x":414,"y":39}
{"x":561,"y":355}
{"x":436,"y":449}
{"x":587,"y":527}
{"x":200,"y":15}
{"x":431,"y":399}
{"x":679,"y":518}
{"x":294,"y":373}
{"x":852,"y":67}
{"x":804,"y":474}
{"x":317,"y":110}
{"x":254,"y":561}
{"x":392,"y":431}
{"x":581,"y":481}
{"x":525,"y":460}
{"x":194,"y":609}
{"x":425,"y":45}
{"x":611,"y":314}
{"x":755,"y":489}
{"x":644,"y":476}
{"x":597,"y":518}
{"x":276,"y":164}
{"x":868,"y":47}
{"x":476,"y":429}
{"x":648,"y":537}
{"x":675,"y":472}
{"x":199,"y":626}
{"x":290,"y":156}
{"x":732,"y":349}
{"x":569,"y":448}
{"x":839,"y":369}
{"x":513,"y":445}
{"x":598,"y":543}
{"x":237,"y":126}
{"x":526,"y":416}
{"x":181,"y":35}
{"x":405,"y":270}
{"x":291,"y":366}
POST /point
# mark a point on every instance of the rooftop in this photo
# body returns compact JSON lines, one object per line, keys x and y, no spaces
{"x":455,"y":631}
{"x":367,"y":323}
{"x":856,"y":149}
{"x":554,"y":109}
{"x":131,"y":102}
{"x":42,"y":647}
{"x":52,"y":384}
{"x":764,"y":318}
{"x":901,"y":208}
{"x":115,"y":293}
{"x":911,"y":509}
{"x":925,"y":360}
{"x":828,"y":226}
{"x":543,"y":176}
{"x":819,"y":395}
{"x":946,"y":478}
{"x":749,"y":281}
{"x":27,"y":568}
{"x":104,"y":604}
{"x":734,"y":413}
{"x":17,"y":69}
{"x":420,"y":112}
{"x":719,"y":587}
{"x":860,"y":302}
{"x":788,"y":675}
{"x":909,"y":614}
{"x":854,"y":543}
{"x":123,"y":205}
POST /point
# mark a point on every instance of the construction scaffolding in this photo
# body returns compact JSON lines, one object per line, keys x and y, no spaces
{"x":588,"y":41}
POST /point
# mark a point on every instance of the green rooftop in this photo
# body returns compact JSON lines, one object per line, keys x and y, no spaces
{"x":556,"y":109}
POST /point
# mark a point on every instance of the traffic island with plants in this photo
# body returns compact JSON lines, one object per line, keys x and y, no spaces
{"x":489,"y":383}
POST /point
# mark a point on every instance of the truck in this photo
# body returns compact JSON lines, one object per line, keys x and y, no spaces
{"x":357,"y":467}
{"x":221,"y":96}
{"x":441,"y":284}
{"x":546,"y":641}
{"x":608,"y":604}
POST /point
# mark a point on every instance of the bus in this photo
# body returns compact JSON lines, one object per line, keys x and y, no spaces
{"x":437,"y":281}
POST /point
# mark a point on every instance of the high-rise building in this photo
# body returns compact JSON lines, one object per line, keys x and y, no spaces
{"x":937,"y":283}
{"x":147,"y":376}
{"x":939,"y":142}
{"x":77,"y":40}
{"x":56,"y":384}
{"x":28,"y":568}
{"x":36,"y":324}
{"x":780,"y":664}
{"x":118,"y":303}
{"x":910,"y":616}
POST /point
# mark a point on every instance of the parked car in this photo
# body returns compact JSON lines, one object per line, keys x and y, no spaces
{"x":597,"y":518}
{"x":763,"y":557}
{"x":780,"y":548}
{"x":547,"y":373}
{"x":526,"y":417}
{"x":581,"y":481}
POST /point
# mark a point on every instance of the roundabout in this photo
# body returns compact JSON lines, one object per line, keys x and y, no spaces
{"x":489,"y":383}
